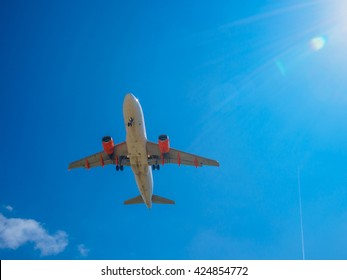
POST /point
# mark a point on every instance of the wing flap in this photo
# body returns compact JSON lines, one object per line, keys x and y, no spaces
{"x":101,"y":158}
{"x":177,"y":157}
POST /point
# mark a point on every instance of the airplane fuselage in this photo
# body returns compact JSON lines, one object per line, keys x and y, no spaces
{"x":136,"y":140}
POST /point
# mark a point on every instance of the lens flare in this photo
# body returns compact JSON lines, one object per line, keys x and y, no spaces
{"x":317,"y":43}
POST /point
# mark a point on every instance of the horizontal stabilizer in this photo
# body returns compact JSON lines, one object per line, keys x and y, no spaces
{"x":155,"y":199}
{"x":135,"y":200}
{"x":161,"y":200}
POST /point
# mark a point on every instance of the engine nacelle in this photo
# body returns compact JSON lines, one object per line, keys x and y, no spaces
{"x":108,"y":145}
{"x":164,"y":144}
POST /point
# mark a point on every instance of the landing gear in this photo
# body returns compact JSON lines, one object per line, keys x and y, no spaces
{"x":155,"y":166}
{"x":130,"y":123}
{"x":119,"y":167}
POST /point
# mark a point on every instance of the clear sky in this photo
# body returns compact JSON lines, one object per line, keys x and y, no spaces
{"x":259,"y":86}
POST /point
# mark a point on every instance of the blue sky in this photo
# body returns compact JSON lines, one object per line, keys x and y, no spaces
{"x":259,"y":86}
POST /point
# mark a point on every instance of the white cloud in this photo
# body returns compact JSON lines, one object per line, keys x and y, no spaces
{"x":9,"y":208}
{"x":84,"y":251}
{"x":14,"y":232}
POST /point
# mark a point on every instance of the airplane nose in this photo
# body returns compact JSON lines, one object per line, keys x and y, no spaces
{"x":130,"y":98}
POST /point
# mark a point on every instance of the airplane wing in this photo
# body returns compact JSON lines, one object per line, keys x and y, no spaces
{"x":100,"y":159}
{"x":176,"y":156}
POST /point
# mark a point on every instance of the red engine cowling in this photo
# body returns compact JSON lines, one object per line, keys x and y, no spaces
{"x":108,"y":144}
{"x":164,"y":144}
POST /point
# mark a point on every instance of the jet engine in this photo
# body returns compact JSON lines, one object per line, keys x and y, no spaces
{"x":164,"y":144}
{"x":108,"y":145}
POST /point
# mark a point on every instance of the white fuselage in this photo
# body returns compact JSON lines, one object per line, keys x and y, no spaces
{"x":136,"y":140}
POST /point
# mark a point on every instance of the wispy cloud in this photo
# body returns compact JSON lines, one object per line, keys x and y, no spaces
{"x":15,"y":232}
{"x":84,"y":251}
{"x":9,"y":208}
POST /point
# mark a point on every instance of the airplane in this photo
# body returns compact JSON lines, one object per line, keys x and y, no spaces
{"x":142,"y":155}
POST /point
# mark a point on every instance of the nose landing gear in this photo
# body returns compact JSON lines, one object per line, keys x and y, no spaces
{"x":130,"y":123}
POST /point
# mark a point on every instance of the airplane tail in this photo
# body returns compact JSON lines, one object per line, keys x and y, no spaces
{"x":155,"y":199}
